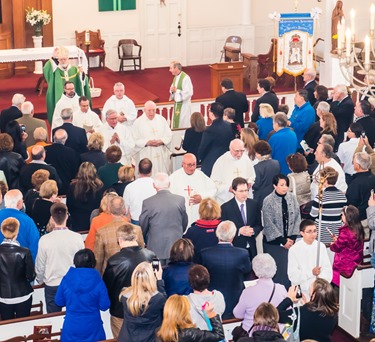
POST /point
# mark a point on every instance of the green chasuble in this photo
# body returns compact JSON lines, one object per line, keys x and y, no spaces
{"x":56,"y":81}
{"x":177,"y":105}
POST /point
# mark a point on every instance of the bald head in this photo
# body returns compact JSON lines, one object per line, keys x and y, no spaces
{"x":150,"y":109}
{"x":189,"y":163}
{"x":13,"y":199}
{"x":38,"y":153}
{"x":60,"y":136}
{"x":237,"y":148}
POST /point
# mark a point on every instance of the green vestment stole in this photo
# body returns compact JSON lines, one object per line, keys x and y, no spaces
{"x":177,"y":105}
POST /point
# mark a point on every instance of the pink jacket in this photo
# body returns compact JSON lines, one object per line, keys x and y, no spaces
{"x":349,"y":253}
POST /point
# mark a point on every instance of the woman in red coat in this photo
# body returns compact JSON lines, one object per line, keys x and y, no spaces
{"x":348,"y":246}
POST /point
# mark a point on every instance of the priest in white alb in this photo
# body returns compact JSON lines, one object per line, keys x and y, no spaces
{"x":117,"y":134}
{"x":85,"y":117}
{"x":152,"y":136}
{"x":192,"y":184}
{"x":232,"y":164}
{"x":125,"y":108}
{"x":69,"y":99}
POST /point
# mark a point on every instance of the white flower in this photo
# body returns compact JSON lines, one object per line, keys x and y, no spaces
{"x":37,"y":17}
{"x":274,"y":16}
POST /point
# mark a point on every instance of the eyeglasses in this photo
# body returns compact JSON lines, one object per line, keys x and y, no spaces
{"x":190,"y":165}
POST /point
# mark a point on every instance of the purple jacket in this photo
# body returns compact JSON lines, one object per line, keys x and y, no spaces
{"x":349,"y":253}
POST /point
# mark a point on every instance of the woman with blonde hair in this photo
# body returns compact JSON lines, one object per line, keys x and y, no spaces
{"x":37,"y":179}
{"x":250,"y":138}
{"x":265,"y":122}
{"x":95,"y":154}
{"x":125,"y":176}
{"x":84,"y":195}
{"x":40,"y":212}
{"x":202,"y":232}
{"x":178,"y":325}
{"x":143,"y":304}
{"x":328,"y":124}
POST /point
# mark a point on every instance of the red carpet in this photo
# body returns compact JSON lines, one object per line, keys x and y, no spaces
{"x":140,"y":86}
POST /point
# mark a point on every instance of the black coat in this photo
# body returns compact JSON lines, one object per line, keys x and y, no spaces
{"x":230,"y":211}
{"x":237,"y":101}
{"x":368,"y":125}
{"x":7,"y":115}
{"x":28,"y":170}
{"x":310,"y":87}
{"x":77,"y":138}
{"x":215,"y":142}
{"x":343,"y":112}
{"x":269,"y":98}
{"x":65,"y":161}
{"x":96,"y":157}
{"x":118,"y":273}
{"x":11,"y":164}
{"x":16,"y":271}
{"x":192,"y":140}
{"x":263,"y":336}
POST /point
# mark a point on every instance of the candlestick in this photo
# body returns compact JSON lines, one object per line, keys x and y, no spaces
{"x":367,"y":51}
{"x":87,"y":36}
{"x":348,"y":43}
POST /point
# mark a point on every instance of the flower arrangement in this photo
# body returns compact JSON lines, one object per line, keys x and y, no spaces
{"x":37,"y":18}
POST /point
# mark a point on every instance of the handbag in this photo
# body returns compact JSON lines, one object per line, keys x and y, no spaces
{"x":239,"y":331}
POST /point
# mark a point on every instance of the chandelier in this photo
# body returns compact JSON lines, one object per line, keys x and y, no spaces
{"x":354,"y":57}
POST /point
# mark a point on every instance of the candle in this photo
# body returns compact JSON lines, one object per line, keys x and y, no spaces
{"x":367,"y":50}
{"x":339,"y":36}
{"x":87,"y":36}
{"x":372,"y":17}
{"x":348,"y":42}
{"x":352,"y":20}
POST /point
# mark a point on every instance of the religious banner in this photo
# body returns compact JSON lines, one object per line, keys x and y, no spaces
{"x":295,"y":43}
{"x":116,"y":5}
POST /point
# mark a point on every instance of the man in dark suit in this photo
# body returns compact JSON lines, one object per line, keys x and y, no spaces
{"x":362,"y":116}
{"x":13,"y":112}
{"x":38,"y":155}
{"x":215,"y":140}
{"x":228,"y":266}
{"x":233,"y":99}
{"x":310,"y":84}
{"x":30,"y":122}
{"x":163,"y":218}
{"x":342,"y":107}
{"x":77,"y":138}
{"x":266,"y":96}
{"x":63,"y":158}
{"x":245,"y":214}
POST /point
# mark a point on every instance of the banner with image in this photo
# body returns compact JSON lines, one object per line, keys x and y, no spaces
{"x":295,"y":43}
{"x":116,"y":5}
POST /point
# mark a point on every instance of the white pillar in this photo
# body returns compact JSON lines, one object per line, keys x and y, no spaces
{"x":38,"y":64}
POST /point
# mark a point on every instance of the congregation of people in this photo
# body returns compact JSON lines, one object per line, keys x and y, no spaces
{"x":233,"y":233}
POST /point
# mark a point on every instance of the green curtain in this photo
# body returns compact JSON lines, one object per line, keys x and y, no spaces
{"x":116,"y":5}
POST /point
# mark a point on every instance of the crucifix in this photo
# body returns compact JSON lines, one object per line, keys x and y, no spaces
{"x":237,"y":172}
{"x":153,"y":130}
{"x":189,"y":190}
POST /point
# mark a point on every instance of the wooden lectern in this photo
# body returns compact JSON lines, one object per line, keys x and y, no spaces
{"x":233,"y":71}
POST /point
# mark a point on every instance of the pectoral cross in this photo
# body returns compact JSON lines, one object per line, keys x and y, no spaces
{"x":153,"y":130}
{"x":237,"y":172}
{"x":157,"y":156}
{"x":189,"y":190}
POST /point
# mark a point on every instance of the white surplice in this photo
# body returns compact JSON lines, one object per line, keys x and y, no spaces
{"x":124,"y":105}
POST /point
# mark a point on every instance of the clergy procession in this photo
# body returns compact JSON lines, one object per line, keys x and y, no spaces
{"x":255,"y":228}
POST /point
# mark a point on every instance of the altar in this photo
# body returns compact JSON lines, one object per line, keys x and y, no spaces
{"x":41,"y":54}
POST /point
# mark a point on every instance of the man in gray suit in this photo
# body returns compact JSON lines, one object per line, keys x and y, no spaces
{"x":163,"y":218}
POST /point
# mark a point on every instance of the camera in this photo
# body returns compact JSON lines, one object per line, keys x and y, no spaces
{"x":155,"y":264}
{"x":299,"y":292}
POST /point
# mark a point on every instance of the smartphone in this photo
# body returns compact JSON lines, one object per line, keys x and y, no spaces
{"x":299,"y":292}
{"x":305,"y":147}
{"x":155,"y":264}
{"x":23,"y":128}
{"x":363,"y":134}
{"x":330,"y":232}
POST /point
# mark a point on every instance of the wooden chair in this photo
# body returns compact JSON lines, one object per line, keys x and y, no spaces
{"x":96,"y":48}
{"x":126,"y":49}
{"x":232,"y":49}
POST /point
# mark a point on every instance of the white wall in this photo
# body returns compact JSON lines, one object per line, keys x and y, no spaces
{"x":207,"y":24}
